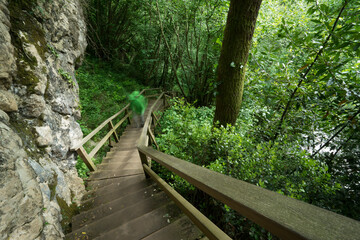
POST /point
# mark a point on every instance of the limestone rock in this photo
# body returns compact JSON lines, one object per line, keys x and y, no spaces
{"x":36,"y":164}
{"x":28,"y":231}
{"x":4,"y":117}
{"x":7,"y":59}
{"x":7,"y":102}
{"x":76,"y":185}
{"x":20,"y":194}
{"x":45,"y":136}
{"x":34,"y":106}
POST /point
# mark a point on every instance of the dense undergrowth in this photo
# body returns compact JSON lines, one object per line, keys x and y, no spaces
{"x":282,"y":166}
{"x":103,"y":92}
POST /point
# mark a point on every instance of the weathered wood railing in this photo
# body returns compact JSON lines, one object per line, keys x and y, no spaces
{"x":79,"y":148}
{"x":283,"y":216}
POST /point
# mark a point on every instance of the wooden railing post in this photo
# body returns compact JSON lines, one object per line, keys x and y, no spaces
{"x":145,"y":161}
{"x":111,"y":125}
{"x":110,"y":143}
{"x":152,"y":138}
{"x":128,"y":118}
{"x":164,"y":101}
{"x":86,"y":158}
{"x":155,"y":120}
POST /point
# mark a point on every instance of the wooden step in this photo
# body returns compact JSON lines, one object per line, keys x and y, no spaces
{"x":104,"y":174}
{"x":121,"y":152}
{"x":95,"y":184}
{"x":133,"y":157}
{"x":131,"y":132}
{"x":181,"y":229}
{"x":96,"y":201}
{"x":128,"y":138}
{"x":114,"y":188}
{"x":124,"y":144}
{"x":120,"y":155}
{"x":119,"y":165}
{"x":132,"y":128}
{"x":145,"y":225}
{"x":126,"y":148}
{"x":104,"y":223}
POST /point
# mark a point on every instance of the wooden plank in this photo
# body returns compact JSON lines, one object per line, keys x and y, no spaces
{"x":182,"y":228}
{"x":96,"y":130}
{"x":126,"y":113}
{"x":143,"y":137}
{"x":100,"y":144}
{"x":283,"y":216}
{"x":104,"y":174}
{"x":104,"y":139}
{"x":156,"y":122}
{"x":141,"y":227}
{"x":86,"y":158}
{"x":115,"y":134}
{"x":122,"y":120}
{"x":199,"y":219}
{"x":152,"y":137}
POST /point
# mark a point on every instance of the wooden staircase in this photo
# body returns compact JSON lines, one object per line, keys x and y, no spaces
{"x":123,"y":204}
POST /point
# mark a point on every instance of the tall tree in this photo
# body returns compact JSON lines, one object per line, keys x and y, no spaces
{"x":238,"y":33}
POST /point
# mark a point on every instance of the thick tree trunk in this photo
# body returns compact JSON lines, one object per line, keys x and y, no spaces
{"x":239,"y":30}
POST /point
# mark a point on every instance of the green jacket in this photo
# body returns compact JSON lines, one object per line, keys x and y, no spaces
{"x":138,"y":103}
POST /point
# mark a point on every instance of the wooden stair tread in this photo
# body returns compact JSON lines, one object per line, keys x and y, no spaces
{"x":133,"y":156}
{"x":181,"y":229}
{"x":143,"y":226}
{"x":103,"y":174}
{"x":124,"y":145}
{"x":94,"y":184}
{"x":112,"y":216}
{"x":119,"y":165}
{"x":117,"y":188}
{"x":102,"y":199}
{"x":118,"y":203}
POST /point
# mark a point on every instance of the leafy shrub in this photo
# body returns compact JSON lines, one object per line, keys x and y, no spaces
{"x":187,"y":133}
{"x":103,"y":92}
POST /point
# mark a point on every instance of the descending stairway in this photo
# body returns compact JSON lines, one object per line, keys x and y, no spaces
{"x":123,"y":204}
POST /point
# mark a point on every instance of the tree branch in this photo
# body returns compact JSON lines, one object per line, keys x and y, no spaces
{"x":303,"y":77}
{"x":170,"y":54}
{"x":337,"y":133}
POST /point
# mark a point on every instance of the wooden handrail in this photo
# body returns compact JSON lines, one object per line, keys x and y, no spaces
{"x":204,"y":224}
{"x":96,"y":130}
{"x":104,"y":139}
{"x":79,"y":147}
{"x":103,"y":124}
{"x":283,"y":216}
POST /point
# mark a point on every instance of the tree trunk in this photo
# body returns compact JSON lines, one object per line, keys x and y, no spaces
{"x":238,"y":33}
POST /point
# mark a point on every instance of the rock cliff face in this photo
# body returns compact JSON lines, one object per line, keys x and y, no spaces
{"x":41,"y":44}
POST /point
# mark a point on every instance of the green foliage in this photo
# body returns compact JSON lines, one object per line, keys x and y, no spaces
{"x":53,"y":51}
{"x":285,"y":117}
{"x":66,"y":76}
{"x":129,"y":33}
{"x":103,"y":92}
{"x":187,"y":133}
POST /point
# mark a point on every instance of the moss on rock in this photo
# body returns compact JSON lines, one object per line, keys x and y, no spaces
{"x":24,"y":31}
{"x":67,"y":213}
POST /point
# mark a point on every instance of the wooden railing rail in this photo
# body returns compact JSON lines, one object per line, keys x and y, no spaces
{"x":283,"y":216}
{"x":112,"y":132}
{"x":204,"y":224}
